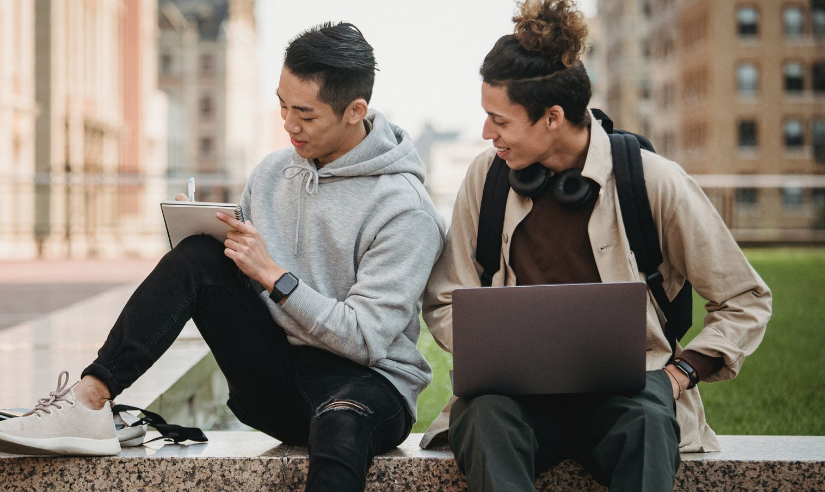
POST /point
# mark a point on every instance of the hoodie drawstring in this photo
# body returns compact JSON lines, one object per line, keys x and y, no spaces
{"x":309,"y":178}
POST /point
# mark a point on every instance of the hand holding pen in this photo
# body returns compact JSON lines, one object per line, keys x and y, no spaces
{"x":180,"y":197}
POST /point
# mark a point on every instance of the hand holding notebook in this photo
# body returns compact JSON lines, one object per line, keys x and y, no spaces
{"x":185,"y":218}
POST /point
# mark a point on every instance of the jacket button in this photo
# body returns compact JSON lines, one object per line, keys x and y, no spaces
{"x":504,"y":237}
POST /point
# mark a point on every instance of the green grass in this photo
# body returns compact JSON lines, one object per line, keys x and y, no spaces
{"x":436,"y":395}
{"x":781,"y":388}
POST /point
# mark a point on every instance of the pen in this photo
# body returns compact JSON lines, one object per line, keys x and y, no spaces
{"x":191,"y":189}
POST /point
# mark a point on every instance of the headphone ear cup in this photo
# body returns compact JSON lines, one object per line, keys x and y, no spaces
{"x":571,"y":189}
{"x":530,"y":181}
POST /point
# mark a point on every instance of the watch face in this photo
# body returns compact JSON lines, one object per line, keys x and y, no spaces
{"x":685,"y":366}
{"x":287,"y":283}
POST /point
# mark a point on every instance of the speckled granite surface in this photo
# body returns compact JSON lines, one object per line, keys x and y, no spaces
{"x":241,"y":461}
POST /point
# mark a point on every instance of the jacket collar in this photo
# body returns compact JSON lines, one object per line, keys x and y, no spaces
{"x":598,"y":165}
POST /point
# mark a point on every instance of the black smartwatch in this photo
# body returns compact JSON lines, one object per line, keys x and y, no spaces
{"x":283,"y":287}
{"x":689,"y":371}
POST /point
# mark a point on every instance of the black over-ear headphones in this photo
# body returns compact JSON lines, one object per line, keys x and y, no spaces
{"x":568,"y":187}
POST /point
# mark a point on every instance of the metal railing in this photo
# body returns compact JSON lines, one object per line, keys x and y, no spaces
{"x":94,"y":215}
{"x":118,"y":215}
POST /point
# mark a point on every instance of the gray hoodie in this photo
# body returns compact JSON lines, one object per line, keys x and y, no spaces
{"x":362,"y":235}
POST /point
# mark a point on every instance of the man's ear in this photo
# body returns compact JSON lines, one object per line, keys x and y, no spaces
{"x":356,"y":111}
{"x":554,"y":117}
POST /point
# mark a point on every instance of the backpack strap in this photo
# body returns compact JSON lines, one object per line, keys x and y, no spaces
{"x":491,"y":219}
{"x":607,"y":125}
{"x":643,"y":236}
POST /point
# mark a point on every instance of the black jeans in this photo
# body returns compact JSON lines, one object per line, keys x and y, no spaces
{"x":344,"y":412}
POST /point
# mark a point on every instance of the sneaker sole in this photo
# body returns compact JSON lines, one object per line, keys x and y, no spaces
{"x":59,"y":446}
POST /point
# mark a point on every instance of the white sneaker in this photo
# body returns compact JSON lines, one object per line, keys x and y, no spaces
{"x":61,"y":425}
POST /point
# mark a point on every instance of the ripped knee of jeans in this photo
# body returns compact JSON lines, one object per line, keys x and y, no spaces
{"x":336,"y":405}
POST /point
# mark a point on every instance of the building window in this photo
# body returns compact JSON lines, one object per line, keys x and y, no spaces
{"x":793,"y":77}
{"x":207,"y":64}
{"x":793,"y":135}
{"x":818,"y":136}
{"x":166,"y":63}
{"x":747,"y":197}
{"x":747,"y":79}
{"x":747,"y":135}
{"x":818,"y":197}
{"x":792,"y":198}
{"x":818,"y":76}
{"x":206,"y":107}
{"x":818,"y":17}
{"x":747,"y":20}
{"x":206,"y":147}
{"x":793,"y":19}
{"x":644,"y":89}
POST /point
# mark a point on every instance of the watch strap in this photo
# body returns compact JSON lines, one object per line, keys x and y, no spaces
{"x":689,"y":371}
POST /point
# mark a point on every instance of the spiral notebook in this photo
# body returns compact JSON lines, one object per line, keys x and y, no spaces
{"x":184,"y":219}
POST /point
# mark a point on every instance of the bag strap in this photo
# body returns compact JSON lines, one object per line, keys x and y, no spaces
{"x":643,"y":236}
{"x":607,"y":125}
{"x":633,"y":202}
{"x":491,"y":219}
{"x":169,"y":432}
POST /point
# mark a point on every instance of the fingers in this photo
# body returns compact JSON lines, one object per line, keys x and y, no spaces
{"x":180,"y":197}
{"x":243,"y":228}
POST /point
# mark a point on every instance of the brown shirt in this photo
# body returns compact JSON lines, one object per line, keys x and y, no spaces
{"x":552,"y":246}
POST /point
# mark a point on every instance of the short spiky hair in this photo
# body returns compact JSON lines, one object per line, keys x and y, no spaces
{"x":338,"y":58}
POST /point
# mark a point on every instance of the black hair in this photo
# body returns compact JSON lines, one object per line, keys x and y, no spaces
{"x":338,"y":58}
{"x":539,"y":64}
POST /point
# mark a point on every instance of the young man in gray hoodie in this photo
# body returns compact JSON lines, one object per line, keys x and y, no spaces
{"x":318,"y":339}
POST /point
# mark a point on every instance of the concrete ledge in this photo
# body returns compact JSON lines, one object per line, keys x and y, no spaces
{"x":234,"y":461}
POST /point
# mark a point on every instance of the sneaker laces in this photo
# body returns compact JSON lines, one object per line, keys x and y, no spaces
{"x":55,"y":397}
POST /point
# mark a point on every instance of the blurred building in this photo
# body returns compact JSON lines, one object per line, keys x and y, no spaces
{"x":79,"y":124}
{"x":594,"y":61}
{"x":82,"y":129}
{"x":17,"y":118}
{"x":448,"y":163}
{"x":623,"y":41}
{"x":736,"y":95}
{"x":143,"y":163}
{"x":208,"y":67}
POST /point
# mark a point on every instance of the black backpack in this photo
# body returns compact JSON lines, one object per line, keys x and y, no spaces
{"x":636,"y":215}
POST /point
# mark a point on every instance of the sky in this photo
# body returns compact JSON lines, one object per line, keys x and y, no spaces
{"x":428,"y":52}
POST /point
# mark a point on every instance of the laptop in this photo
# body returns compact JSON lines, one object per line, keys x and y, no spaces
{"x":549,"y":339}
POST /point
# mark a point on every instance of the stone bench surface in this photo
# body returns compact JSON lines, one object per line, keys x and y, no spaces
{"x":233,"y":461}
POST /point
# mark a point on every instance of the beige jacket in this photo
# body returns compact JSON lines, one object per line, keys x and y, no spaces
{"x":695,"y":243}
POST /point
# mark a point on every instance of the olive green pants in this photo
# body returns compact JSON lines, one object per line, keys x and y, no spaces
{"x":627,"y":441}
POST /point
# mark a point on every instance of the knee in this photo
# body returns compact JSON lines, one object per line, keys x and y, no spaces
{"x":340,"y":421}
{"x":487,"y":417}
{"x":196,"y":252}
{"x":199,"y":245}
{"x":482,"y":410}
{"x":646,"y":425}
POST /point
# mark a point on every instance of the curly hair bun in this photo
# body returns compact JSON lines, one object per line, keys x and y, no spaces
{"x":554,"y":28}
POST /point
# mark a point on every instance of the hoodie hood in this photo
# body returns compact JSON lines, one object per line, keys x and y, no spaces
{"x":387,"y":149}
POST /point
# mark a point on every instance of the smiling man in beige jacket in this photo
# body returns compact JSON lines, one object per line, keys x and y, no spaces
{"x":535,"y":92}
